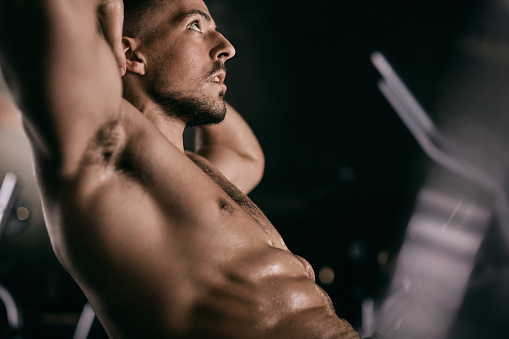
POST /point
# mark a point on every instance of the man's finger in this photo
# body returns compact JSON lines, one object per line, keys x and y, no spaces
{"x":111,"y":18}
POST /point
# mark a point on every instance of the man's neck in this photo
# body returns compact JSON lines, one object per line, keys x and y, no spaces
{"x":170,"y":127}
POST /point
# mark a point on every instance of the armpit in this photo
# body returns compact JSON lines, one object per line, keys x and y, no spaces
{"x":106,"y":145}
{"x":109,"y":150}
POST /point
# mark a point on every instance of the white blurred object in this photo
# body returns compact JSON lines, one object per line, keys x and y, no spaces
{"x":8,"y":192}
{"x":444,"y":233}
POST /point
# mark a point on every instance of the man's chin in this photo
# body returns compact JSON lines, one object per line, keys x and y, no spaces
{"x":204,"y":118}
{"x":193,"y":111}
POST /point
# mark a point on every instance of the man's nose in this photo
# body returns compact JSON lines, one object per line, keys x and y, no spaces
{"x":224,"y":50}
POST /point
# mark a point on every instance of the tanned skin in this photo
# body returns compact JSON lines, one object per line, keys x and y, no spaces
{"x":9,"y":113}
{"x":164,"y":243}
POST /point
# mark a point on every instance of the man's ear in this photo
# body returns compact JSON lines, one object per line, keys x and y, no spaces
{"x":135,"y":60}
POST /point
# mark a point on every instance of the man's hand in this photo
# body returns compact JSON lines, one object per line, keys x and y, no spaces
{"x":111,"y":18}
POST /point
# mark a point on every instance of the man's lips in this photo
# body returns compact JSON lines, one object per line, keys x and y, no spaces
{"x":218,"y":77}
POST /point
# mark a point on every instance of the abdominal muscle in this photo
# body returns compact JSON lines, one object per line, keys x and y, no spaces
{"x":261,"y":289}
{"x":256,"y":295}
{"x":252,"y":290}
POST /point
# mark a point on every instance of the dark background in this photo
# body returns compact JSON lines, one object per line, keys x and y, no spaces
{"x":342,"y":171}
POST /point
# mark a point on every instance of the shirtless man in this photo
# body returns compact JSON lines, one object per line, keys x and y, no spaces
{"x":164,"y":243}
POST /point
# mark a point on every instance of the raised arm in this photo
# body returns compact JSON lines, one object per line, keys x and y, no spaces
{"x":234,"y":149}
{"x":63,"y":75}
{"x":9,"y":114}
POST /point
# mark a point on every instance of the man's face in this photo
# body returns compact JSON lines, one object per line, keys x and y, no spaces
{"x":185,"y":62}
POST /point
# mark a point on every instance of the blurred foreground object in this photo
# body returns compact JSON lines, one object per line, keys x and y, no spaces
{"x":444,"y":233}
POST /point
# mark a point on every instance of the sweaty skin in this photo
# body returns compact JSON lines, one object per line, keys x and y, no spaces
{"x":161,"y":241}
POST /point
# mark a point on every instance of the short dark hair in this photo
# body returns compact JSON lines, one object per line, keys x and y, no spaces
{"x":136,"y":14}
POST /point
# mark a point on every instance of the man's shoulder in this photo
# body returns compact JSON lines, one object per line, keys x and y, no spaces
{"x":196,"y":158}
{"x":205,"y":165}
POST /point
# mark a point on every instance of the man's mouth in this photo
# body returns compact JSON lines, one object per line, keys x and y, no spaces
{"x":218,"y":73}
{"x":218,"y":77}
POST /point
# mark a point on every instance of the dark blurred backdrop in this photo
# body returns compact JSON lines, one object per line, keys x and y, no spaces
{"x":342,"y":170}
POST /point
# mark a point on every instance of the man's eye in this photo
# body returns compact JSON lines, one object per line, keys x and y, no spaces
{"x":195,"y":25}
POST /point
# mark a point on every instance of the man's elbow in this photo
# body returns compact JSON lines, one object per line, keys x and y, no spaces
{"x":256,"y":170}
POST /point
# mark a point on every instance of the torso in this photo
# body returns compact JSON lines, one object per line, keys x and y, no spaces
{"x":163,"y":251}
{"x":241,"y":199}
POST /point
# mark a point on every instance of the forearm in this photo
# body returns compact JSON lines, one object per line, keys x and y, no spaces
{"x":234,"y":149}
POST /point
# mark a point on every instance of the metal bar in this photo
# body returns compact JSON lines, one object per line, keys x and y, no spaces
{"x":13,"y":312}
{"x":8,"y":192}
{"x":84,"y":323}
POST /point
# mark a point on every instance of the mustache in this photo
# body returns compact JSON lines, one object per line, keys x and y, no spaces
{"x":219,"y":66}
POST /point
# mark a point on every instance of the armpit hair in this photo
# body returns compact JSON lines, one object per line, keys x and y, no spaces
{"x":106,"y":145}
{"x":109,"y":149}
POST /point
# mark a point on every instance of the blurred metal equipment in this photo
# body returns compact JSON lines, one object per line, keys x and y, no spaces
{"x":14,"y":319}
{"x":89,"y":326}
{"x":8,"y":192}
{"x":434,"y":143}
{"x":85,"y":323}
{"x":445,"y":232}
